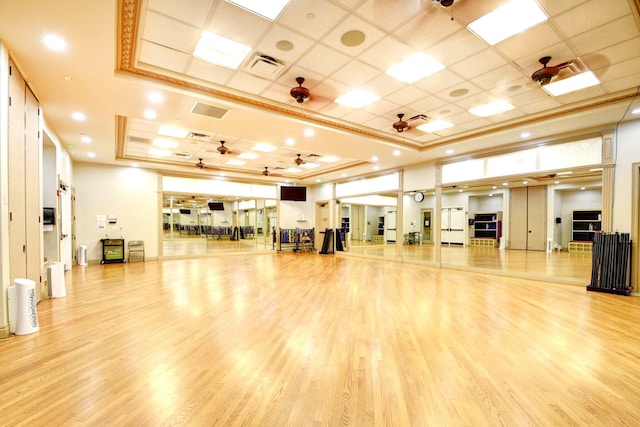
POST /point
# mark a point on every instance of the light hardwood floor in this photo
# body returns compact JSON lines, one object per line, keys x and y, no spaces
{"x":308,"y":339}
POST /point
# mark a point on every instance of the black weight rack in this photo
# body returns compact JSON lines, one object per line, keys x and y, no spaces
{"x":611,"y":264}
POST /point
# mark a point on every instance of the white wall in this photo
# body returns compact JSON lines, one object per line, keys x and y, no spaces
{"x":576,"y":200}
{"x":628,"y":152}
{"x":296,"y":214}
{"x":421,"y":177}
{"x":129,"y":193}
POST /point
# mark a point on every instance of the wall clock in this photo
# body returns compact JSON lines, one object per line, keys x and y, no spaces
{"x":418,"y":197}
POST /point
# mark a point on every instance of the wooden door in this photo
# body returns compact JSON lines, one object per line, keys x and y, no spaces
{"x":518,"y":228}
{"x":537,"y":218}
{"x":527,"y":218}
{"x":426,"y":225}
{"x":16,"y":176}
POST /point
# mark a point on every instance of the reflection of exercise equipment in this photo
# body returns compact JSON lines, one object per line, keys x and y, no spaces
{"x":306,"y":244}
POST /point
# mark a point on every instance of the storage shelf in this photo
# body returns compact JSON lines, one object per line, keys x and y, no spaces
{"x":580,"y":246}
{"x":584,"y":224}
{"x":487,"y":225}
{"x":483,"y":242}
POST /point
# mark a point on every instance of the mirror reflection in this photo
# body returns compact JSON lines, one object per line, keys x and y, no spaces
{"x":418,"y":222}
{"x":194,"y":225}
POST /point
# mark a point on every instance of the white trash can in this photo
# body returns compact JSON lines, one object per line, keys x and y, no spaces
{"x":55,"y":278}
{"x":26,"y":314}
{"x":82,"y":255}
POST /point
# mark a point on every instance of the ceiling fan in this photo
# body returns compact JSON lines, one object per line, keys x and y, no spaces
{"x":402,"y":125}
{"x":222,"y":149}
{"x":202,"y":165}
{"x":298,"y":161}
{"x":266,"y":171}
{"x":544,"y":75}
{"x":300,"y":93}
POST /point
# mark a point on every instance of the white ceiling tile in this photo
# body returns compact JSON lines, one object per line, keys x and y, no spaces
{"x":353,"y":23}
{"x":386,"y":53}
{"x":560,"y":52}
{"x":336,"y":110}
{"x":623,"y":83}
{"x":479,"y":64}
{"x":196,"y":14}
{"x":619,"y":70}
{"x":209,"y":72}
{"x":277,"y":33}
{"x":383,"y":107}
{"x":355,"y":73}
{"x":555,"y":7}
{"x":425,"y":30}
{"x":406,"y":95}
{"x":390,"y":14}
{"x":581,"y":95}
{"x":288,"y":78}
{"x":498,"y":77}
{"x":613,"y":54}
{"x":358,"y":116}
{"x":383,"y":84}
{"x":248,"y":83}
{"x":455,"y":93}
{"x":237,"y":24}
{"x":168,"y":32}
{"x":428,"y":104}
{"x":330,"y":89}
{"x":456,"y":48}
{"x":528,"y":97}
{"x":277,"y":92}
{"x":469,"y":11}
{"x":607,"y":35}
{"x":160,"y":56}
{"x":540,"y":37}
{"x":439,"y":81}
{"x":323,"y":60}
{"x":544,"y":104}
{"x":586,"y":16}
{"x":314,"y":19}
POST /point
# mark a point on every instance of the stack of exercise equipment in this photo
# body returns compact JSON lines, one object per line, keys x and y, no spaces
{"x":611,"y":264}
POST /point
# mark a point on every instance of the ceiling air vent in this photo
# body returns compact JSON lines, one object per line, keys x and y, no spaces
{"x":139,"y":139}
{"x":199,"y":136}
{"x":265,"y":66}
{"x":209,"y":110}
{"x":184,"y":156}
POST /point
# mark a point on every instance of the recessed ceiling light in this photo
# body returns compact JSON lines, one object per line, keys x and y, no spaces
{"x":159,"y":153}
{"x":235,"y":162}
{"x":374,"y":158}
{"x":268,"y":9}
{"x":490,"y":194}
{"x":435,"y":126}
{"x":328,"y":159}
{"x":54,"y":42}
{"x":556,"y":182}
{"x":249,"y":156}
{"x":396,"y":153}
{"x":155,"y":97}
{"x":415,"y":68}
{"x":449,"y":151}
{"x":460,"y":191}
{"x":583,"y":188}
{"x":376,"y":167}
{"x":293,"y":170}
{"x":220,"y":50}
{"x":572,"y":84}
{"x":491,"y":109}
{"x":343,"y":175}
{"x":525,"y":182}
{"x":564,"y":173}
{"x":595,"y":170}
{"x":85,"y":138}
{"x":68,"y":78}
{"x":494,"y":187}
{"x":317,"y":179}
{"x":165,"y":143}
{"x":78,"y":116}
{"x":134,"y":165}
{"x":357,"y":98}
{"x":172,"y":131}
{"x":150,"y":114}
{"x":289,"y":141}
{"x":505,"y":184}
{"x":263,"y":147}
{"x":636,"y":111}
{"x":507,"y":20}
{"x":308,"y":132}
{"x":91,"y":154}
{"x":525,"y":135}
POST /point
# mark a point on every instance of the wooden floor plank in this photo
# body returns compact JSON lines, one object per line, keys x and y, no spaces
{"x":307,"y":339}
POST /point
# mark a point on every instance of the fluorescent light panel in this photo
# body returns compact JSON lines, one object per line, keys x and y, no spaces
{"x":249,"y":156}
{"x":572,"y":84}
{"x":269,"y":9}
{"x":293,"y":170}
{"x":508,"y":20}
{"x":357,"y":98}
{"x":234,"y":162}
{"x":328,"y":159}
{"x":415,"y":68}
{"x":264,"y":148}
{"x":491,"y":109}
{"x":220,"y":50}
{"x":172,"y":132}
{"x":309,"y":165}
{"x":434,"y":126}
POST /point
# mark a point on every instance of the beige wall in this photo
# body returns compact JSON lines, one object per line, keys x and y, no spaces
{"x":129,"y":193}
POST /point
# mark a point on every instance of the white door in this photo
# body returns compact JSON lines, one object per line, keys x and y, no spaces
{"x":391,"y":226}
